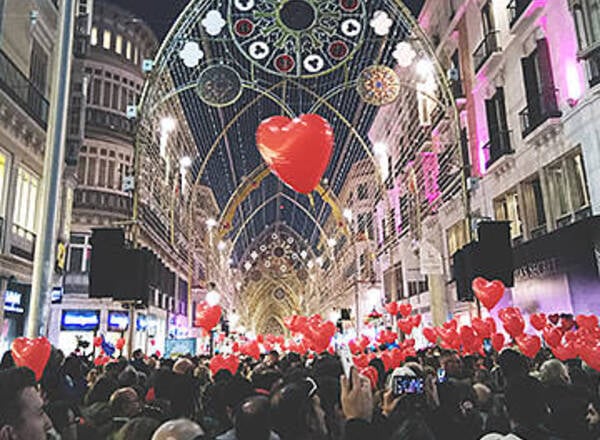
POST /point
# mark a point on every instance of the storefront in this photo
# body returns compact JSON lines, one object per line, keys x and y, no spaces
{"x":558,"y":272}
{"x":16,"y":302}
{"x":77,"y":326}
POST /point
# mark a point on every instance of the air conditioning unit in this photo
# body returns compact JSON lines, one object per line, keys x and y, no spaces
{"x":472,"y":183}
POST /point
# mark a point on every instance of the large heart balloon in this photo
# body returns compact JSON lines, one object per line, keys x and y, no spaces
{"x":207,"y":317}
{"x":297,"y":151}
{"x":529,"y":344}
{"x":489,"y":293}
{"x":430,"y":335}
{"x":31,"y":353}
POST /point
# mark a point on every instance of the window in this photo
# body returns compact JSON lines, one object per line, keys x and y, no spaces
{"x":136,"y":55}
{"x":25,"y":210}
{"x":457,"y":237}
{"x":533,"y":205}
{"x":128,"y":50}
{"x":499,"y":136}
{"x":106,"y":98}
{"x":539,"y":88}
{"x":38,"y":75}
{"x":96,"y":91}
{"x":506,"y":208}
{"x":568,"y":185}
{"x":94,"y":36}
{"x":119,"y":44}
{"x":115,"y":97}
{"x":78,"y":259}
{"x":91,"y":174}
{"x":106,"y":40}
{"x":102,"y":173}
{"x":3,"y":176}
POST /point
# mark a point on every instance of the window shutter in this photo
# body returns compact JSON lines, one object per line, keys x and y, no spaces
{"x":532,"y":91}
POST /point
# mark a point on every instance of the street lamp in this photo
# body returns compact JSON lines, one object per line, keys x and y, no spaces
{"x":167,"y":125}
{"x":348,"y":215}
{"x":211,"y":223}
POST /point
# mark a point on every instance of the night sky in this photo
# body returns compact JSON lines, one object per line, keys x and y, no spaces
{"x":160,"y":14}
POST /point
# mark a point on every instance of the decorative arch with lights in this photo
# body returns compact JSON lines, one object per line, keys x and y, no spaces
{"x":365,"y":67}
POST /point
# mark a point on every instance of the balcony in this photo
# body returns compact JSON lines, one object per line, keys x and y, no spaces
{"x":21,"y":90}
{"x":97,"y":200}
{"x":498,"y":146}
{"x":593,"y":59}
{"x":516,"y":8}
{"x":532,"y":118}
{"x":115,"y":123}
{"x":22,"y":242}
{"x":485,"y":50}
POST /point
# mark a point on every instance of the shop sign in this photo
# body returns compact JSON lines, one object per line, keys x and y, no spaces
{"x":141,"y":323}
{"x":118,"y":321}
{"x":12,"y":302}
{"x":538,"y":269}
{"x":80,"y":320}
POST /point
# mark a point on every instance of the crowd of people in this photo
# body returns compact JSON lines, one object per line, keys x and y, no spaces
{"x":292,"y":397}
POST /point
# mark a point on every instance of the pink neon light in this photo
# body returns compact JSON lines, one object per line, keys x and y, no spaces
{"x":431,"y":172}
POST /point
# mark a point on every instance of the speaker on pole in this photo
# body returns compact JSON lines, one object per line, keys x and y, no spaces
{"x":108,"y":246}
{"x":495,"y":252}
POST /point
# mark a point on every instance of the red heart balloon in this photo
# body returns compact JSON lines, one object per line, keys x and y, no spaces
{"x":512,"y":320}
{"x":416,"y":320}
{"x":97,"y":341}
{"x":392,"y":308}
{"x":120,"y":344}
{"x":207,"y":317}
{"x":32,"y":353}
{"x":482,"y":327}
{"x":491,"y":322}
{"x":405,"y":325}
{"x":564,"y":352}
{"x":353,"y":346}
{"x":370,"y":373}
{"x":298,"y":151}
{"x":405,"y":309}
{"x":452,"y":324}
{"x":498,"y":341}
{"x":588,"y":322}
{"x":538,"y":321}
{"x":554,"y":318}
{"x":361,"y":361}
{"x":529,"y":344}
{"x":388,"y":360}
{"x":430,"y":335}
{"x":467,"y":336}
{"x":552,"y":336}
{"x":488,"y":292}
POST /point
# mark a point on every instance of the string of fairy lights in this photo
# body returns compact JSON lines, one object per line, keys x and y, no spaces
{"x":206,"y":97}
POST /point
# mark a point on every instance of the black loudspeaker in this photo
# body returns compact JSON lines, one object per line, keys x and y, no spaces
{"x":495,"y":252}
{"x":346,"y":315}
{"x":106,"y":256}
{"x":134,"y":284}
{"x":465,"y":267}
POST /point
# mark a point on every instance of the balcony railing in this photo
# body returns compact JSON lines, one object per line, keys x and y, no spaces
{"x":593,"y":60}
{"x":20,"y":89}
{"x":486,"y":48}
{"x":516,"y":8}
{"x":457,"y":89}
{"x":532,"y":119}
{"x":22,"y":242}
{"x":498,"y":146}
{"x":98,"y":200}
{"x":110,"y":121}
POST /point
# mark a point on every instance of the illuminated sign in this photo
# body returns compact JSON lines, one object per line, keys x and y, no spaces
{"x":56,"y":295}
{"x":12,"y":302}
{"x":80,"y":320}
{"x":118,"y":321}
{"x":141,"y":323}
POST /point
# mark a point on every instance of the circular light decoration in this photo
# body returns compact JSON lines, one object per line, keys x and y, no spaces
{"x":278,"y":252}
{"x":255,"y":275}
{"x":219,"y":85}
{"x":279,"y":294}
{"x":298,"y":38}
{"x":378,"y":85}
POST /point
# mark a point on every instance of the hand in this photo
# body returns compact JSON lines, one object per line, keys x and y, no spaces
{"x":389,"y":403}
{"x":356,"y":397}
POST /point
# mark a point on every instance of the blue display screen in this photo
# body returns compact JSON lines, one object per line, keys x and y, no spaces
{"x":118,"y":321}
{"x":80,"y":320}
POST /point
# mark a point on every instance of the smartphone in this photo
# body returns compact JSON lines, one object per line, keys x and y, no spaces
{"x":408,"y":385}
{"x":346,"y":358}
{"x":441,"y":375}
{"x":487,"y":346}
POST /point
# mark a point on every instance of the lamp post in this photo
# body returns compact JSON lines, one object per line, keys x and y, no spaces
{"x":43,"y":264}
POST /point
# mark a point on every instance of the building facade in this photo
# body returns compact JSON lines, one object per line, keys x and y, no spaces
{"x":28,"y":32}
{"x":112,"y":54}
{"x":526,"y":76}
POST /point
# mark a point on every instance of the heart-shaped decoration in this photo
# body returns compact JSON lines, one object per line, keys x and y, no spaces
{"x":538,"y":321}
{"x":489,"y":293}
{"x":361,"y":361}
{"x":554,"y":318}
{"x":552,"y":336}
{"x":512,"y":320}
{"x":370,"y":373}
{"x":589,"y":322}
{"x":483,"y":328}
{"x":207,"y":317}
{"x":564,"y":352}
{"x":529,"y":344}
{"x":430,"y":335}
{"x":405,"y":309}
{"x":32,"y":353}
{"x":297,"y":151}
{"x":392,"y":308}
{"x":498,"y":341}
